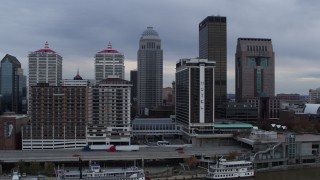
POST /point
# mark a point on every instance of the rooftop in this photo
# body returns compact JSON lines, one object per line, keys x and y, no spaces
{"x":109,"y":49}
{"x":46,"y":49}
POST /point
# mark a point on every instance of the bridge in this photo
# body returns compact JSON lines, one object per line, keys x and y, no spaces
{"x":146,"y":153}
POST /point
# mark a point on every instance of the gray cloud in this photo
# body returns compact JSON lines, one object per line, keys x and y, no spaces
{"x":77,"y":29}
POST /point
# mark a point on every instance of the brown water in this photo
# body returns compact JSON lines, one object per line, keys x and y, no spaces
{"x":294,"y":174}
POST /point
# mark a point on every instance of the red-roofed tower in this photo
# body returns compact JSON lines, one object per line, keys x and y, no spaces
{"x":108,"y":62}
{"x":45,"y":66}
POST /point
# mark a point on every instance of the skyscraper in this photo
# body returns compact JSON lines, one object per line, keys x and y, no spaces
{"x":213,"y":46}
{"x":109,"y":112}
{"x":12,"y":85}
{"x":58,"y":117}
{"x":194,"y":95}
{"x":255,"y":75}
{"x":150,"y":71}
{"x":108,"y":62}
{"x":134,"y":81}
{"x":45,"y":66}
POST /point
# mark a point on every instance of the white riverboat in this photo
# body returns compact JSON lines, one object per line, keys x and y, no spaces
{"x":230,"y":169}
{"x":96,"y":173}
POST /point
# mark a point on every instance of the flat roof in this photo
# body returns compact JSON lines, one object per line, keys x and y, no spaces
{"x":231,"y":126}
{"x":153,"y":121}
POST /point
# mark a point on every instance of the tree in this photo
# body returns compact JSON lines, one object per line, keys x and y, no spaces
{"x":231,"y":155}
{"x":22,"y":166}
{"x":48,"y":168}
{"x":34,"y":167}
{"x":191,"y":162}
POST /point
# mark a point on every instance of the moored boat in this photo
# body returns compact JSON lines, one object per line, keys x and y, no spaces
{"x":230,"y":169}
{"x":95,"y":172}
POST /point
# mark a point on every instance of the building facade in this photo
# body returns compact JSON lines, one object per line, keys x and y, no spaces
{"x":109,"y":112}
{"x":150,"y":71}
{"x":58,"y":116}
{"x":213,"y":46}
{"x":12,"y":86}
{"x":134,"y":81}
{"x":76,"y":81}
{"x":255,"y":68}
{"x":108,"y":62}
{"x":314,"y":96}
{"x":243,"y":112}
{"x":268,"y":107}
{"x":45,"y":66}
{"x":195,"y":95}
{"x":10,"y":128}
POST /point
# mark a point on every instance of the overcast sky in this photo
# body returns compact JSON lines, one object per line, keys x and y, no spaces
{"x":77,"y":29}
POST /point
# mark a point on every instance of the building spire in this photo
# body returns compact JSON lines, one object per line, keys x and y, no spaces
{"x":109,"y":45}
{"x":46,"y":45}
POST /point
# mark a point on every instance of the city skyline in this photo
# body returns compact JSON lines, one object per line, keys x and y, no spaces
{"x":77,"y":30}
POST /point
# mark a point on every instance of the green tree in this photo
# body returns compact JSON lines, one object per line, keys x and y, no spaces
{"x":34,"y":167}
{"x":22,"y":166}
{"x":48,"y":168}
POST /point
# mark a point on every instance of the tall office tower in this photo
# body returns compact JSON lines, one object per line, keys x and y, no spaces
{"x":134,"y":81}
{"x":109,"y":119}
{"x":58,"y":117}
{"x":194,"y":95}
{"x":12,"y":86}
{"x":213,"y":46}
{"x":45,"y":66}
{"x":254,"y":68}
{"x":150,"y":71}
{"x":108,"y":62}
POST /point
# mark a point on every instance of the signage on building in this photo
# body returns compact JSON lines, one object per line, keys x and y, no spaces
{"x":201,"y":94}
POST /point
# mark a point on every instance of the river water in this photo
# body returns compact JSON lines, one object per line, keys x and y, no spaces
{"x":293,"y":174}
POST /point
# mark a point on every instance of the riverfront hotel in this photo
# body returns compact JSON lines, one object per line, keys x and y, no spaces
{"x":195,"y":96}
{"x":58,"y":116}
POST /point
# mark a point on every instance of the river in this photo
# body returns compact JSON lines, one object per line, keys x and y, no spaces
{"x":293,"y":174}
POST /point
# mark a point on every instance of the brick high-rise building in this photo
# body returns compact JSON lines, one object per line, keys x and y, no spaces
{"x":255,"y":75}
{"x":58,"y":117}
{"x":213,"y":46}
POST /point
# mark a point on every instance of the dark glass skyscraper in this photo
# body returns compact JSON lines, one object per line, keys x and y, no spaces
{"x":134,"y":81}
{"x":150,"y":71}
{"x":194,"y":95}
{"x":213,"y":46}
{"x":12,"y":85}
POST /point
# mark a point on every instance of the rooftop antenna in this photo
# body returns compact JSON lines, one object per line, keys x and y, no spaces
{"x":46,"y":45}
{"x":109,"y":45}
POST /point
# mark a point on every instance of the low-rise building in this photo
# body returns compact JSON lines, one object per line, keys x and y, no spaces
{"x":10,"y":128}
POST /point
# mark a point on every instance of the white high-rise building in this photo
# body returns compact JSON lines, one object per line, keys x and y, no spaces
{"x":314,"y":96}
{"x":150,"y":71}
{"x":108,"y":62}
{"x":109,"y":119}
{"x":45,"y":66}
